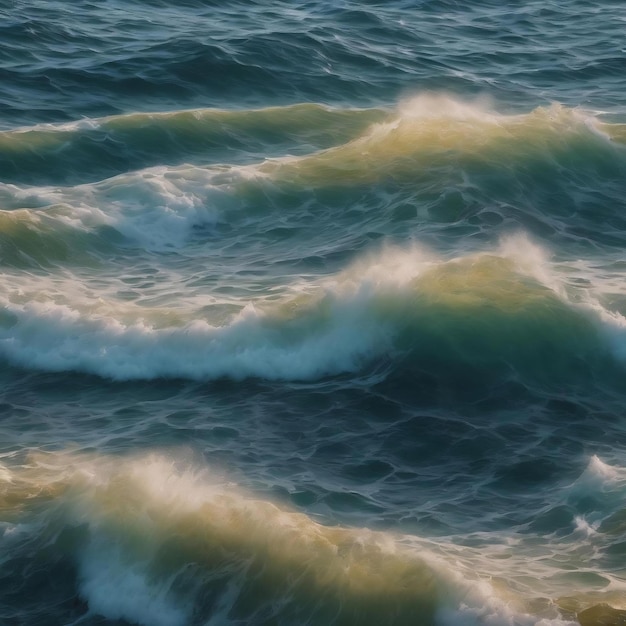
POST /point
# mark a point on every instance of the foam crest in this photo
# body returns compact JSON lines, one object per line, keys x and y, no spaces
{"x":481,"y":114}
{"x":435,"y":105}
{"x":599,"y":476}
{"x":160,"y":207}
{"x":532,"y":260}
{"x":390,"y":267}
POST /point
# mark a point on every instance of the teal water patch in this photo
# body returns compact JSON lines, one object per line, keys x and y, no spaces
{"x":122,"y":58}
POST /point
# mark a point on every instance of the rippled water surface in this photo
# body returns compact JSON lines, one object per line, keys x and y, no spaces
{"x":312,"y":313}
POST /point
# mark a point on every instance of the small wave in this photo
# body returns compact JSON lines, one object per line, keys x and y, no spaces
{"x":156,"y":209}
{"x":598,"y":496}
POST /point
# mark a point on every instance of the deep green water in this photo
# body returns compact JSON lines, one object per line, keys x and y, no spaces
{"x":312,"y":313}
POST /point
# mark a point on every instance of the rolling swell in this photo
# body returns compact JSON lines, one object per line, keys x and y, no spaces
{"x":423,"y":131}
{"x":93,"y":149}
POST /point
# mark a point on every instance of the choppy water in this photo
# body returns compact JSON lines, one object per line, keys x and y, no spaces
{"x":312,"y":313}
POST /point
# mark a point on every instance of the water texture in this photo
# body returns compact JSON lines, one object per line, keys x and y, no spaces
{"x":312,"y":313}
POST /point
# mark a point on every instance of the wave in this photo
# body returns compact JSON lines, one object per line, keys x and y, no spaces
{"x":495,"y":314}
{"x":356,"y":143}
{"x":434,"y":131}
{"x":52,"y":238}
{"x":156,"y":540}
{"x":93,"y":149}
{"x":432,"y":145}
{"x":155,"y":209}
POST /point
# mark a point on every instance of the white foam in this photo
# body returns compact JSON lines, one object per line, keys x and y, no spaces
{"x":584,"y":527}
{"x":57,"y":337}
{"x":391,"y":267}
{"x":119,"y":589}
{"x":599,"y":474}
{"x":156,"y":208}
{"x":613,"y":327}
{"x":606,"y":484}
{"x":438,"y":105}
{"x":532,"y":260}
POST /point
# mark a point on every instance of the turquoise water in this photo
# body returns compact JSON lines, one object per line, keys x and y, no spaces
{"x":312,"y":313}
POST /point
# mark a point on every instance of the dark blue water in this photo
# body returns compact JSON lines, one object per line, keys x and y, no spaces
{"x":312,"y":313}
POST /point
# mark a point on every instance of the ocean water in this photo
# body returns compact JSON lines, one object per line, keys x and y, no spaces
{"x":312,"y":313}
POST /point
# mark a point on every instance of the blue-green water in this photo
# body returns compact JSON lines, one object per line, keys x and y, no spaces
{"x":312,"y":313}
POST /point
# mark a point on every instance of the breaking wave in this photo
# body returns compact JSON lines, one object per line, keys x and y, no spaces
{"x":155,"y":540}
{"x":502,"y":312}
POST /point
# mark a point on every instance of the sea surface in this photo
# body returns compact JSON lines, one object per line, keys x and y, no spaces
{"x":312,"y":313}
